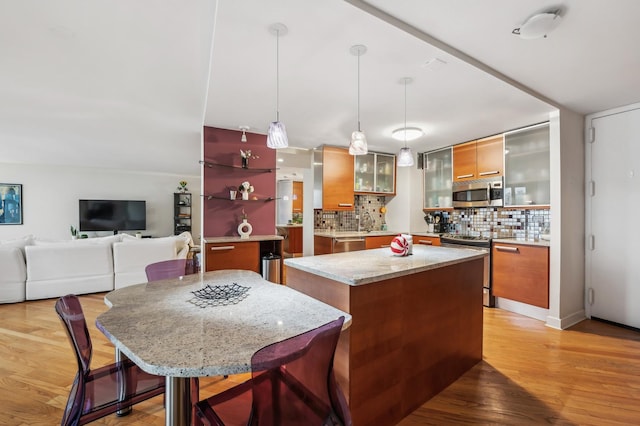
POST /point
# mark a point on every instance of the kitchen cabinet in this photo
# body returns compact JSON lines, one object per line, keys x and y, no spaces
{"x":437,"y":174}
{"x":292,"y":242}
{"x":297,"y":201}
{"x":333,"y":170}
{"x":233,"y":255}
{"x":520,"y":272}
{"x":427,"y":241}
{"x":378,"y":241}
{"x":478,"y":159}
{"x":375,"y":173}
{"x":527,"y":179}
{"x":181,"y":212}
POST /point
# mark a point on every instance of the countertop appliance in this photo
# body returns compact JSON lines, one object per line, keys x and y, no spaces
{"x":478,"y":193}
{"x":476,"y":243}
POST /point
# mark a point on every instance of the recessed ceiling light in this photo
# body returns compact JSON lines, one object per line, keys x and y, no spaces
{"x":280,"y":160}
{"x":411,"y":133}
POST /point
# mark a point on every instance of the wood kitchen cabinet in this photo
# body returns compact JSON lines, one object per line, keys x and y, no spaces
{"x":427,"y":241}
{"x":374,"y":173}
{"x":322,"y":245}
{"x":378,"y":241}
{"x":233,"y":255}
{"x":437,"y":173}
{"x":297,"y":202}
{"x":479,"y":159}
{"x":333,"y":174}
{"x":521,"y":272}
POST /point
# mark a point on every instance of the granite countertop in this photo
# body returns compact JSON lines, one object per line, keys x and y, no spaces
{"x":426,"y":234}
{"x":353,"y":234}
{"x":237,"y":239}
{"x":369,"y":266}
{"x":524,"y":241}
{"x":156,"y":326}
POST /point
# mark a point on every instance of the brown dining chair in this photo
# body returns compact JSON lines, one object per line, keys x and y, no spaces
{"x":96,"y":393}
{"x":165,"y":269}
{"x":292,"y":383}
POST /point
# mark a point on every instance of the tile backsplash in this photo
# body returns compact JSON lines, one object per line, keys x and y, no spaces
{"x":366,"y":206}
{"x":501,"y":223}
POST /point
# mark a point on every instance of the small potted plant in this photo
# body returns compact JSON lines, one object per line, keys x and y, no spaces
{"x":245,"y":189}
{"x":74,"y":232}
{"x":246,"y":155}
{"x":182,"y":186}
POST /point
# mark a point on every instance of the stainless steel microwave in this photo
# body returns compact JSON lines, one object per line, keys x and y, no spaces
{"x":478,"y":193}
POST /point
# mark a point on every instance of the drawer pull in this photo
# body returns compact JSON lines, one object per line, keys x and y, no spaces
{"x":464,"y":176}
{"x":492,"y":172}
{"x":425,"y":242}
{"x":349,"y":240}
{"x":385,"y":245}
{"x":345,"y":204}
{"x":507,"y":249}
{"x":223,"y":248}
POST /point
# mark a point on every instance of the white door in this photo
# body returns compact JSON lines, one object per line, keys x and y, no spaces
{"x":613,"y":219}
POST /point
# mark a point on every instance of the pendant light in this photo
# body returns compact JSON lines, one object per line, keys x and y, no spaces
{"x":405,"y":156}
{"x":277,"y":135}
{"x":358,"y":145}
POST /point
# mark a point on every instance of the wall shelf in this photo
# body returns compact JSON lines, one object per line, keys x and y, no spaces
{"x":218,"y":197}
{"x":211,"y":164}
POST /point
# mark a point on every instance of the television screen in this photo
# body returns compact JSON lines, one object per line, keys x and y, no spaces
{"x":113,"y":215}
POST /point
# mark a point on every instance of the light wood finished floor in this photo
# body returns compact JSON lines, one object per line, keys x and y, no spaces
{"x":531,"y":374}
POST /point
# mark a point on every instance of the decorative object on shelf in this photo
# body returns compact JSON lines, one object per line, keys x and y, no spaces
{"x":10,"y":204}
{"x":232,"y":194}
{"x":358,"y":145}
{"x":399,"y":246}
{"x":74,"y":232}
{"x":245,"y":189}
{"x":219,"y":295}
{"x":245,"y":228}
{"x":246,"y":155}
{"x":405,"y":156}
{"x":244,"y":129}
{"x":182,"y":186}
{"x":277,"y":136}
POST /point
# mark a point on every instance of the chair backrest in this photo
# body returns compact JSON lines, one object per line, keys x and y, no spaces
{"x":70,"y":312}
{"x":166,"y":269}
{"x":293,"y":381}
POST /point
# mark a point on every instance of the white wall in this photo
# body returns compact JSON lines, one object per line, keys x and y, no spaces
{"x":50,"y":198}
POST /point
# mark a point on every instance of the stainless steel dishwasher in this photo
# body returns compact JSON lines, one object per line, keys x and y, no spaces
{"x":341,"y":245}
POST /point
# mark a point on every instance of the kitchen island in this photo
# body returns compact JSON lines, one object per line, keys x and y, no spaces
{"x":416,"y":323}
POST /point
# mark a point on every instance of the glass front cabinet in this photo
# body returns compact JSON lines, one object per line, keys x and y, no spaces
{"x":527,"y":171}
{"x":438,"y":176}
{"x":375,"y":173}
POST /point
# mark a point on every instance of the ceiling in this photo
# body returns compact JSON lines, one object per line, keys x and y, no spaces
{"x":128,"y":85}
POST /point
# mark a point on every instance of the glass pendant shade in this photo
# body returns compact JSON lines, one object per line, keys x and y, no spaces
{"x":277,"y":136}
{"x":405,"y":157}
{"x":358,"y":145}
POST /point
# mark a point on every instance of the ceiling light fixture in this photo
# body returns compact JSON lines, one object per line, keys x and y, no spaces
{"x":405,"y":156}
{"x":407,"y":133}
{"x":277,"y":135}
{"x":358,"y":145}
{"x":539,"y":25}
{"x":244,"y":129}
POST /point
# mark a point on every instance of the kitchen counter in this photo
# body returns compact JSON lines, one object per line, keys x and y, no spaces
{"x":370,"y":266}
{"x":233,"y":239}
{"x":426,"y":234}
{"x":289,"y":225}
{"x":525,"y":241}
{"x":417,"y":323}
{"x":353,"y":234}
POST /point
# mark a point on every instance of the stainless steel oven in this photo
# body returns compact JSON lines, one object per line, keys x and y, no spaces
{"x":476,"y":243}
{"x":478,"y":193}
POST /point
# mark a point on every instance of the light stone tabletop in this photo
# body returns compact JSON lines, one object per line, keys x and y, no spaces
{"x":156,"y":326}
{"x":369,"y":266}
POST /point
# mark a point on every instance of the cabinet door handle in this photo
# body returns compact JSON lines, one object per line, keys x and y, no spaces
{"x":385,"y":245}
{"x":425,"y":242}
{"x":223,"y":248}
{"x":464,"y":176}
{"x":507,"y":249}
{"x":492,"y":172}
{"x":345,"y":204}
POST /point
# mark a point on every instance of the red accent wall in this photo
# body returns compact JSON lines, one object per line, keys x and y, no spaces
{"x":222,"y":217}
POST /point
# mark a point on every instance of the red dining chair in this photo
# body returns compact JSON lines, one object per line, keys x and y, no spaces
{"x":166,"y":269}
{"x":96,"y":393}
{"x":292,"y":383}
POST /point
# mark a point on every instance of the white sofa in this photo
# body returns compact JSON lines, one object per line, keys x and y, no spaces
{"x":36,"y":269}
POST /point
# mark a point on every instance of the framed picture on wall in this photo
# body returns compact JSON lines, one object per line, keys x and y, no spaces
{"x":10,"y":204}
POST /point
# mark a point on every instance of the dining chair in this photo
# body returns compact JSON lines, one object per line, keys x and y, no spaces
{"x":292,"y":383}
{"x":96,"y":393}
{"x":165,"y":269}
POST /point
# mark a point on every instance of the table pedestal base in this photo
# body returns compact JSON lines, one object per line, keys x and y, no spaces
{"x":178,"y":401}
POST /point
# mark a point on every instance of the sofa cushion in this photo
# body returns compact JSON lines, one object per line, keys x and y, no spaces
{"x":131,"y":257}
{"x":20,"y":243}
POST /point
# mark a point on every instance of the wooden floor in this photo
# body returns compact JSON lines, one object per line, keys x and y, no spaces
{"x":531,"y":374}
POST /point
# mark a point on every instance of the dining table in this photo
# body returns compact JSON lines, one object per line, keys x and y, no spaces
{"x":206,"y":324}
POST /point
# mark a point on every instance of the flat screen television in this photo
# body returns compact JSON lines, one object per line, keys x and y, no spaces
{"x":112,"y":215}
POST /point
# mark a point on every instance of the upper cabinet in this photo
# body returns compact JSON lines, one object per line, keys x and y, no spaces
{"x":333,"y":169}
{"x":478,"y":159}
{"x":527,"y":171}
{"x":297,"y":203}
{"x":375,"y":173}
{"x":437,"y":170}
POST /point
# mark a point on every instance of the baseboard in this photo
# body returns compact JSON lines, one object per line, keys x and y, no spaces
{"x":522,"y":308}
{"x":566,"y":322}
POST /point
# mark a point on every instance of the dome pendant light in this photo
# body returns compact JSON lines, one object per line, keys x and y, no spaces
{"x":405,"y":156}
{"x":277,"y":135}
{"x":358,"y":145}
